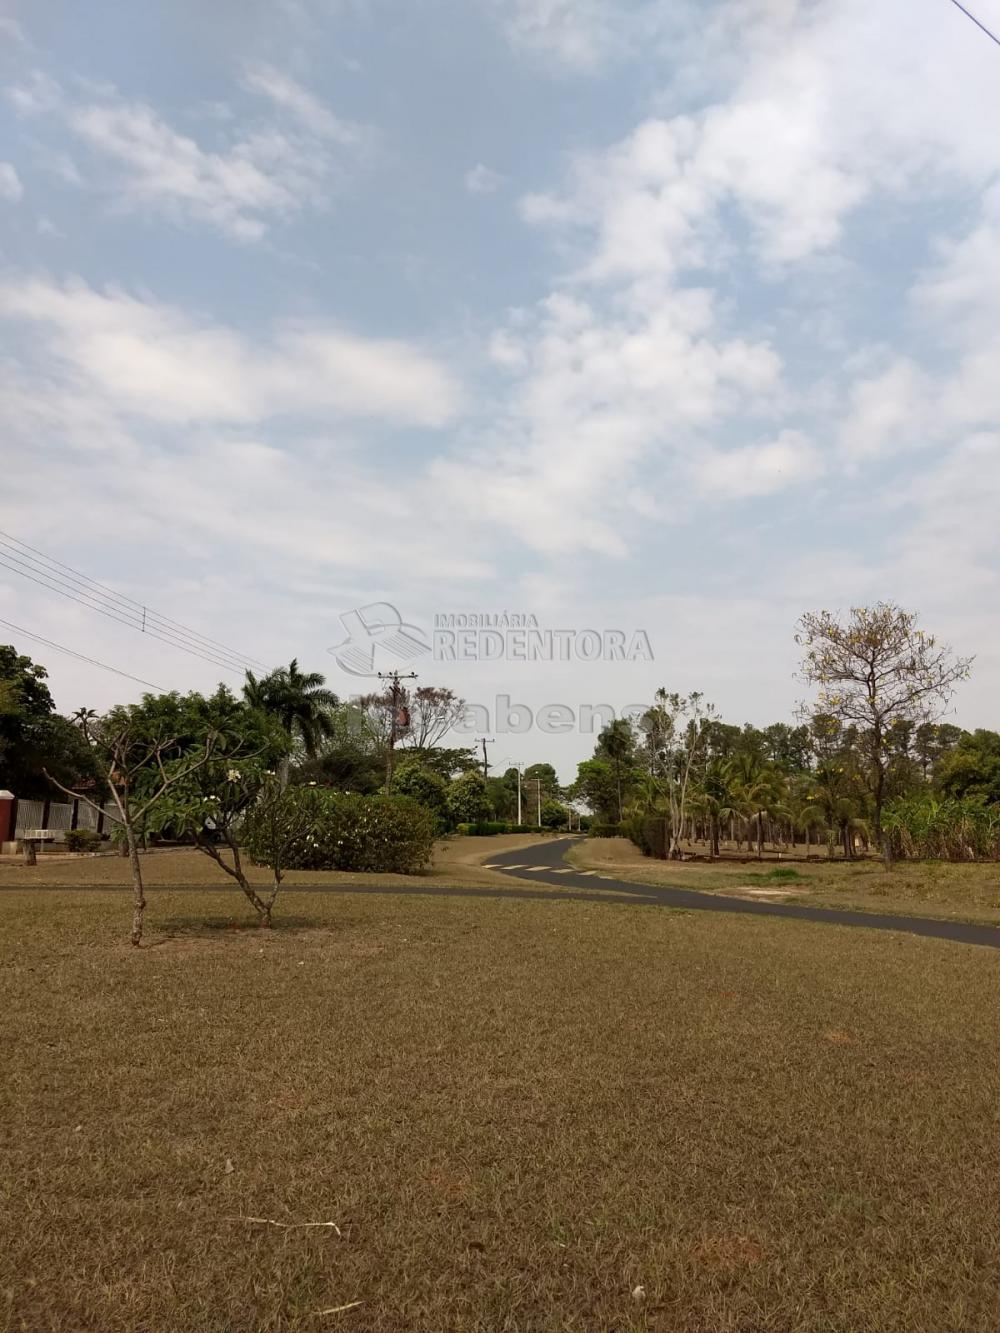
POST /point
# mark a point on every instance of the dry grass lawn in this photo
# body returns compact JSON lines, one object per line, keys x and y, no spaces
{"x":516,"y":1112}
{"x":956,"y":891}
{"x":456,"y":863}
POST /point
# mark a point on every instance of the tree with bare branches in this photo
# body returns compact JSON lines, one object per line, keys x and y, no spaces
{"x":875,"y":670}
{"x":138,"y":765}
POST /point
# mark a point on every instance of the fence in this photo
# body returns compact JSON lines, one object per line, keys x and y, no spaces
{"x":59,"y":817}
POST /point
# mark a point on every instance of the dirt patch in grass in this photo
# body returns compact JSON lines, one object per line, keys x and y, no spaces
{"x":964,"y":892}
{"x":515,"y":1112}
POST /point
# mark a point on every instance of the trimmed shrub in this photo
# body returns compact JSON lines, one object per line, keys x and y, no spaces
{"x":81,"y":840}
{"x":605,"y":831}
{"x":485,"y":828}
{"x":344,"y":831}
{"x":649,"y":833}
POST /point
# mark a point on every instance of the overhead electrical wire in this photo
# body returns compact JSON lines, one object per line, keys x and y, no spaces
{"x":39,"y":568}
{"x":81,"y":657}
{"x":982,"y":26}
{"x":77,"y":576}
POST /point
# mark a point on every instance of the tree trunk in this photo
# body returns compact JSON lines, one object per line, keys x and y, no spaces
{"x":284,"y":768}
{"x":30,"y":858}
{"x":138,"y":897}
{"x":760,"y":835}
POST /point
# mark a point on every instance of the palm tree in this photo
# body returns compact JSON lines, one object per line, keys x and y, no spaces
{"x":300,"y":702}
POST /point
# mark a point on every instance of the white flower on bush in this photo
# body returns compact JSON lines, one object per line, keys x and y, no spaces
{"x":233,"y":775}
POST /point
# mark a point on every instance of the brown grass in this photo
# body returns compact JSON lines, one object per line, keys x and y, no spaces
{"x":969,"y":892}
{"x":516,"y":1112}
{"x":456,"y":862}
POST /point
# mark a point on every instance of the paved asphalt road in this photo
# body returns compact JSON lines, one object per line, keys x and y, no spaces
{"x":544,"y":864}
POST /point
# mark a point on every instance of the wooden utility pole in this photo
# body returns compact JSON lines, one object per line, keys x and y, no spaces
{"x":485,"y":740}
{"x":538,"y":797}
{"x":397,"y":721}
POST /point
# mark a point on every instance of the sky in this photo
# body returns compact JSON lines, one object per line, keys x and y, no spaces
{"x":669,"y":319}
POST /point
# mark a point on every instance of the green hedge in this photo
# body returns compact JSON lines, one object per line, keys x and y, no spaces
{"x":486,"y":828}
{"x":605,"y":831}
{"x":343,"y":831}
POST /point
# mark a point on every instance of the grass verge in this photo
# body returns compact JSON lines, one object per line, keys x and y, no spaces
{"x":515,"y":1112}
{"x":940,"y":889}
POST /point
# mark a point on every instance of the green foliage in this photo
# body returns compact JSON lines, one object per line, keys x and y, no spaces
{"x":603,"y":829}
{"x":972,"y":767}
{"x":298,"y":701}
{"x":467,"y":800}
{"x":81,"y":840}
{"x":554,"y":815}
{"x":597,"y":785}
{"x":424,"y":786}
{"x":952,"y":829}
{"x":307,"y":828}
{"x":489,"y":827}
{"x":780,"y":875}
{"x":33,"y":736}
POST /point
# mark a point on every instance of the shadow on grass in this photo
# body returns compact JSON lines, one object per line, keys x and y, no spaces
{"x":188,"y":927}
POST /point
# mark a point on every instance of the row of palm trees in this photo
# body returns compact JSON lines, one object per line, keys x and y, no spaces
{"x":744,"y":801}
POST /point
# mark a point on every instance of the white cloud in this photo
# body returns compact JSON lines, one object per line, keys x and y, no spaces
{"x":889,"y":413}
{"x":758,"y":469}
{"x":833,"y":106}
{"x":152,"y":361}
{"x":599,"y":400}
{"x":578,"y":34}
{"x":267,"y":172}
{"x":11,"y":188}
{"x":285,"y":92}
{"x":481,"y":179}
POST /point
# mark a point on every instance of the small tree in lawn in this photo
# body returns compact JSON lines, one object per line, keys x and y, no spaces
{"x":138,"y":764}
{"x":272,"y":828}
{"x":877,"y":670}
{"x":210,"y":807}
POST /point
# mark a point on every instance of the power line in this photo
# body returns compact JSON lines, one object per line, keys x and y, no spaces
{"x":53,"y":574}
{"x":991,"y":35}
{"x":141,"y":616}
{"x":81,"y":657}
{"x":52,"y":587}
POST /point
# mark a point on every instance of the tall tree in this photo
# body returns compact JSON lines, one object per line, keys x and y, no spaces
{"x":300,"y":701}
{"x":616,"y":744}
{"x":33,"y":736}
{"x":677,"y":728}
{"x":877,"y":669}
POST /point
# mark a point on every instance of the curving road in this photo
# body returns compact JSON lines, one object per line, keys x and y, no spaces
{"x":544,"y":864}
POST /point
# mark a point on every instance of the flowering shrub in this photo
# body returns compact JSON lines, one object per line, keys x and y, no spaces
{"x":341,"y":831}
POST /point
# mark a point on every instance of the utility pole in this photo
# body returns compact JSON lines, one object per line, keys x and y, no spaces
{"x":400,"y":719}
{"x":538,"y":796}
{"x":486,"y":740}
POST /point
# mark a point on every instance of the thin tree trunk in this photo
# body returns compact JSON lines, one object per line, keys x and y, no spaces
{"x":138,"y":897}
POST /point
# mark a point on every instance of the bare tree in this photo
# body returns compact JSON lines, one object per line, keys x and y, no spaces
{"x":133,"y":765}
{"x":876,"y":669}
{"x":675,"y":730}
{"x":434,"y":710}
